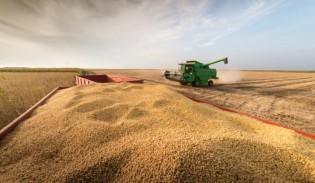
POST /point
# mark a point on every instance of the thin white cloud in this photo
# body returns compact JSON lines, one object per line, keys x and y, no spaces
{"x":114,"y":33}
{"x":253,"y":11}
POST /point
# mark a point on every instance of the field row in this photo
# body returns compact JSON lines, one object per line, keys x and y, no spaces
{"x":20,"y":90}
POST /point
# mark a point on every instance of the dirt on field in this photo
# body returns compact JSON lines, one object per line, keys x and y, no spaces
{"x":284,"y":97}
{"x":122,"y":132}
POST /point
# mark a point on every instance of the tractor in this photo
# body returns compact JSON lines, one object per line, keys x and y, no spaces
{"x":194,"y":72}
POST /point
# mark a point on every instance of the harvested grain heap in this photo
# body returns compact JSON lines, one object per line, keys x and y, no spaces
{"x":128,"y":132}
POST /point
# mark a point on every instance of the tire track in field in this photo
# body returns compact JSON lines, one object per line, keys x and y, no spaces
{"x":299,"y":85}
{"x":280,"y":89}
{"x":272,"y":105}
{"x":271,"y":84}
{"x":289,"y":90}
{"x":286,"y":83}
{"x":266,"y":81}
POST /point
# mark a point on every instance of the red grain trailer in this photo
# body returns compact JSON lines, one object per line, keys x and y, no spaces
{"x":92,"y":79}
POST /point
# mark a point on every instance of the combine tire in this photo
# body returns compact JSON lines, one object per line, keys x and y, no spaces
{"x":183,"y":81}
{"x":210,"y":83}
{"x":196,"y":83}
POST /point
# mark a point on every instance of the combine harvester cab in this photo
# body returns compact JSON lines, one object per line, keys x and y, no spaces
{"x":196,"y":73}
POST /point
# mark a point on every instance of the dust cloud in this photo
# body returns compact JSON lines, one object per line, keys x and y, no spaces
{"x":229,"y":76}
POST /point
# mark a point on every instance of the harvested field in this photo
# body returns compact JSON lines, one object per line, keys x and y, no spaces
{"x":284,"y":97}
{"x":149,"y":133}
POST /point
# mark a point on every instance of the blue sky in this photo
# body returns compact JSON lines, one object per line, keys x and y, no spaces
{"x":253,"y":34}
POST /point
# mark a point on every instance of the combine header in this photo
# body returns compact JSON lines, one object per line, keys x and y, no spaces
{"x":194,"y":72}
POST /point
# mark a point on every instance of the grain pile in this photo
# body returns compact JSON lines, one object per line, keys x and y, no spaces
{"x":148,"y":133}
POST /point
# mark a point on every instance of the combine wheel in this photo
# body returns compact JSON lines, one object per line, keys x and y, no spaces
{"x":183,"y":81}
{"x":196,"y":83}
{"x":210,"y":83}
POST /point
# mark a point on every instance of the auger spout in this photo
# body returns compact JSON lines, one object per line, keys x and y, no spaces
{"x":225,"y":60}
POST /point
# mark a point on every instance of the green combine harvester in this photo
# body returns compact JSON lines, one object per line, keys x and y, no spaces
{"x":194,"y":72}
